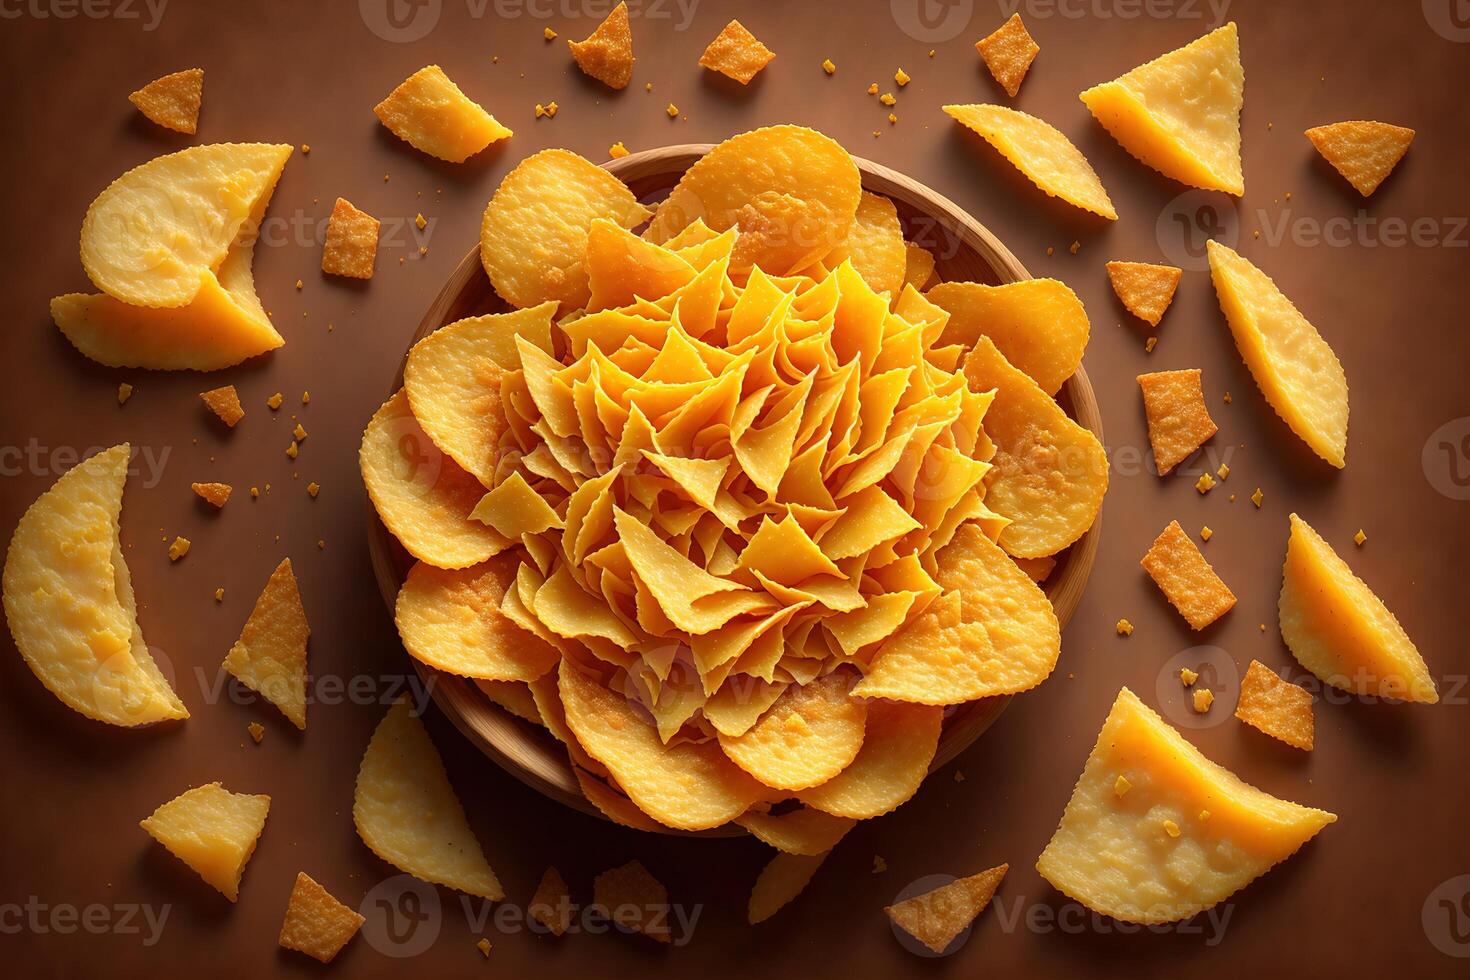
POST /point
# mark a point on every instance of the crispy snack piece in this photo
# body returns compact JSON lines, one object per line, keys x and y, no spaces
{"x":634,"y":900}
{"x":270,"y":655}
{"x":1039,"y":569}
{"x":1145,"y":289}
{"x":607,"y":53}
{"x":551,"y":904}
{"x":780,"y":881}
{"x":69,"y":600}
{"x":1189,"y":583}
{"x":211,"y":830}
{"x":935,"y":918}
{"x":1364,"y":152}
{"x":809,"y":735}
{"x":1038,"y":324}
{"x":1180,"y":113}
{"x":1339,"y":630}
{"x":736,"y":53}
{"x":217,"y":494}
{"x":1008,"y":53}
{"x":875,"y":246}
{"x":225,"y":403}
{"x":1178,"y":422}
{"x":351,"y":247}
{"x":898,"y":745}
{"x":1294,"y":367}
{"x":1275,"y":706}
{"x":800,"y":831}
{"x":173,"y":100}
{"x":406,"y":812}
{"x":1041,"y":152}
{"x":429,"y":112}
{"x":513,"y":696}
{"x":919,"y":266}
{"x":1115,"y":852}
{"x":316,"y":923}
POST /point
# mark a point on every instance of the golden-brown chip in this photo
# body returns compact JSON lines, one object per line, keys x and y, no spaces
{"x":173,"y":100}
{"x":803,"y":830}
{"x":634,"y":900}
{"x":935,"y":918}
{"x":352,"y":242}
{"x":270,"y":655}
{"x":1145,"y":289}
{"x":1008,"y":53}
{"x":809,"y":735}
{"x":1178,"y":421}
{"x":551,"y":904}
{"x":211,"y":830}
{"x":612,"y":803}
{"x":875,"y":246}
{"x":779,"y":882}
{"x":217,"y":494}
{"x":736,"y":53}
{"x":1038,"y":324}
{"x":513,"y":696}
{"x":1039,"y":569}
{"x":1186,"y":579}
{"x":607,"y":53}
{"x":898,"y":745}
{"x":1275,"y":706}
{"x":316,"y":923}
{"x":1363,"y":151}
{"x":919,"y":266}
{"x":225,"y":403}
{"x":428,"y":111}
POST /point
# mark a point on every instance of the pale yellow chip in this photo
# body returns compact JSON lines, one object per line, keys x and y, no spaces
{"x":270,"y":655}
{"x":420,"y":494}
{"x":1294,"y":367}
{"x":780,"y":881}
{"x":1041,"y":152}
{"x":211,"y":830}
{"x":1275,"y":706}
{"x":351,"y":247}
{"x":1038,"y":324}
{"x":551,"y":904}
{"x":452,"y":621}
{"x":533,"y":237}
{"x":607,"y":53}
{"x":429,"y":112}
{"x":69,"y":600}
{"x":1180,"y":113}
{"x":1145,"y":289}
{"x":803,"y":830}
{"x":875,"y":246}
{"x":407,"y":814}
{"x":1115,"y":854}
{"x":736,"y":53}
{"x":1363,"y":151}
{"x":809,"y":735}
{"x":792,"y":193}
{"x":173,"y":100}
{"x":919,"y":266}
{"x":1178,"y":421}
{"x":513,"y":696}
{"x":898,"y":746}
{"x":613,"y":804}
{"x":156,"y":233}
{"x":1339,"y":630}
{"x":316,"y":923}
{"x":1050,"y":473}
{"x":1008,"y":53}
{"x":634,"y":900}
{"x":224,"y":403}
{"x":936,"y":917}
{"x":1175,"y":564}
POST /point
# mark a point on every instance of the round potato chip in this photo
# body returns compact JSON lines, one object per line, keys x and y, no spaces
{"x":1038,"y":324}
{"x":938,"y":658}
{"x":809,"y":735}
{"x":875,"y":246}
{"x":533,"y":238}
{"x":897,"y":749}
{"x":451,"y":620}
{"x":792,"y":192}
{"x":801,"y":831}
{"x":614,"y":805}
{"x":420,"y":494}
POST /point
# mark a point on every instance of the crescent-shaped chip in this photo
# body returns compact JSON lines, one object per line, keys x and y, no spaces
{"x":898,"y":747}
{"x":809,"y":735}
{"x":801,"y":831}
{"x":779,"y":882}
{"x":1038,"y":324}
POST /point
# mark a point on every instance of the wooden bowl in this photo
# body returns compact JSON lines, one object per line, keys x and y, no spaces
{"x":965,"y":250}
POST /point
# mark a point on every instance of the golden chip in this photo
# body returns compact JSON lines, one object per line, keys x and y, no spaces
{"x":800,"y":831}
{"x":779,"y":882}
{"x":919,"y":266}
{"x":1038,"y":324}
{"x":513,"y":696}
{"x":875,"y":246}
{"x":1362,"y":151}
{"x":270,"y":655}
{"x":352,"y":242}
{"x":1145,"y":289}
{"x":809,"y":735}
{"x":551,"y":904}
{"x":1039,"y":569}
{"x":428,"y":111}
{"x":225,"y":403}
{"x":607,"y":53}
{"x":936,"y":917}
{"x":1189,"y":583}
{"x":217,"y":494}
{"x":736,"y":53}
{"x":898,"y":745}
{"x":1041,"y":152}
{"x":1275,"y":706}
{"x":1178,"y":422}
{"x":211,"y":830}
{"x":1008,"y":53}
{"x":316,"y":923}
{"x":173,"y":100}
{"x":634,"y":900}
{"x":613,"y":804}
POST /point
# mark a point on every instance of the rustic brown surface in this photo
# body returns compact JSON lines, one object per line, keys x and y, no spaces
{"x":1352,"y":903}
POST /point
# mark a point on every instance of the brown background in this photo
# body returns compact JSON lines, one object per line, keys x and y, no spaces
{"x":1350,"y":903}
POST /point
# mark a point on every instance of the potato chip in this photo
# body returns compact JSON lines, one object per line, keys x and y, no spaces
{"x":211,"y":830}
{"x":1189,"y":583}
{"x":1039,"y":569}
{"x":69,"y":600}
{"x":513,"y":696}
{"x":1114,"y":852}
{"x":1294,"y":367}
{"x":1275,"y":706}
{"x":634,"y":900}
{"x":613,"y":804}
{"x":407,"y":814}
{"x":1146,"y":290}
{"x":936,"y":917}
{"x":420,"y":494}
{"x":173,"y":100}
{"x":1180,"y":113}
{"x":429,"y":112}
{"x":1008,"y":53}
{"x":1041,"y":152}
{"x":153,"y":236}
{"x":780,"y":881}
{"x":607,"y":53}
{"x":875,"y":246}
{"x":792,"y":193}
{"x":1178,"y":422}
{"x":316,"y":923}
{"x":919,"y":267}
{"x":452,"y":621}
{"x":809,"y":735}
{"x":1038,"y":324}
{"x":800,"y":831}
{"x":225,"y":403}
{"x":217,"y":494}
{"x":1050,"y":473}
{"x":736,"y":53}
{"x":551,"y":904}
{"x":1339,"y":630}
{"x":898,"y":745}
{"x":270,"y":655}
{"x":351,"y":246}
{"x":1362,"y":151}
{"x":533,"y":238}
{"x":622,"y":267}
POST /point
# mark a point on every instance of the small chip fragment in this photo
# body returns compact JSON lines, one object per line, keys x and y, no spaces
{"x":1146,"y":290}
{"x":1187,"y":677}
{"x":1203,"y":698}
{"x":1178,"y":421}
{"x":293,"y":449}
{"x":484,"y":947}
{"x":1124,"y":628}
{"x":1150,"y":344}
{"x":1257,"y":497}
{"x":270,"y":655}
{"x":1222,"y":471}
{"x":173,"y":100}
{"x":1186,"y":578}
{"x":352,"y":242}
{"x":633,"y":900}
{"x":736,"y":53}
{"x":879,"y":865}
{"x":429,"y":112}
{"x":873,"y":89}
{"x":617,"y":150}
{"x":178,"y":549}
{"x":211,"y":830}
{"x":1205,"y":533}
{"x":672,"y":110}
{"x":1121,"y":786}
{"x":887,"y":98}
{"x":313,"y":488}
{"x":216,"y":493}
{"x":316,"y":923}
{"x":901,"y":77}
{"x":124,"y":392}
{"x":828,"y":66}
{"x":219,"y":594}
{"x":1275,"y":706}
{"x":225,"y":403}
{"x":607,"y":53}
{"x":935,"y":918}
{"x":1205,"y":483}
{"x":551,"y":904}
{"x":256,"y":730}
{"x":1008,"y":53}
{"x":781,"y":881}
{"x":1359,"y":538}
{"x":299,"y":433}
{"x":274,"y":401}
{"x":1363,"y":151}
{"x":549,"y":34}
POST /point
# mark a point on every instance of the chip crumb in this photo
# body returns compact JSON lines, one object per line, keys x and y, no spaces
{"x":873,"y":89}
{"x":1171,"y":828}
{"x":1121,"y":786}
{"x":1204,"y":814}
{"x":321,"y":545}
{"x":828,"y":66}
{"x":306,"y":148}
{"x":420,"y":221}
{"x":1223,"y":471}
{"x":1359,"y":538}
{"x":1124,"y":628}
{"x":351,"y":245}
{"x":1074,"y":247}
{"x":255,"y":491}
{"x":124,"y":392}
{"x":217,"y":494}
{"x":256,"y":729}
{"x":224,"y":403}
{"x":1263,"y":627}
{"x":292,"y":449}
{"x":1205,"y":483}
{"x":1187,"y":677}
{"x":901,"y":77}
{"x":648,"y":86}
{"x":959,"y":777}
{"x":484,"y":947}
{"x":1205,"y":533}
{"x":672,"y":110}
{"x":313,"y":488}
{"x":931,"y":52}
{"x":551,"y":108}
{"x":540,"y":110}
{"x":1257,"y":497}
{"x":1150,"y":344}
{"x":274,"y":401}
{"x":299,"y":432}
{"x":1203,"y":698}
{"x":299,"y":284}
{"x":178,"y":549}
{"x":879,"y":865}
{"x":549,"y":34}
{"x":892,"y":118}
{"x":306,"y":398}
{"x":617,"y":150}
{"x":887,"y":98}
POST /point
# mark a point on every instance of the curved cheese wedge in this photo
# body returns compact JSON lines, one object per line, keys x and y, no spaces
{"x":69,"y":600}
{"x":1339,"y":630}
{"x":1155,"y":832}
{"x":1180,"y":113}
{"x":1293,"y":366}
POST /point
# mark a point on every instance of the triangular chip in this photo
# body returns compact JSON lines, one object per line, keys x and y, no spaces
{"x":1363,"y":151}
{"x":551,"y":904}
{"x":607,"y":53}
{"x":898,"y":745}
{"x":801,"y":831}
{"x":270,"y":655}
{"x":634,"y":900}
{"x":1185,"y":835}
{"x":1175,"y":564}
{"x":316,"y":923}
{"x":406,"y":812}
{"x":1038,"y":324}
{"x":935,"y":918}
{"x":736,"y":53}
{"x":1008,"y":53}
{"x":1178,"y":421}
{"x":225,"y":403}
{"x":428,"y":111}
{"x":779,"y":882}
{"x":919,"y":267}
{"x":1146,"y":290}
{"x":1276,"y":706}
{"x":211,"y":830}
{"x":173,"y":100}
{"x":1180,"y":113}
{"x":351,"y":246}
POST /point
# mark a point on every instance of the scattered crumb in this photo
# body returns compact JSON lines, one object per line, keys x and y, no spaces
{"x":873,"y":89}
{"x":1223,"y":471}
{"x":1187,"y":677}
{"x":1203,"y":698}
{"x":1049,"y":250}
{"x":321,"y":545}
{"x":549,"y":34}
{"x":178,"y":549}
{"x":306,"y":398}
{"x":1205,"y":533}
{"x":255,"y":491}
{"x":1359,"y":538}
{"x":219,"y":595}
{"x":1150,"y":344}
{"x":901,"y":77}
{"x":1257,"y":497}
{"x":305,"y":147}
{"x":887,"y":98}
{"x":299,"y":433}
{"x":892,"y":118}
{"x":293,"y":449}
{"x":313,"y":488}
{"x":648,"y":86}
{"x":828,"y":66}
{"x":1205,"y":483}
{"x":1263,"y":627}
{"x":484,"y":944}
{"x":124,"y":392}
{"x":1121,"y":786}
{"x":879,"y":865}
{"x":617,"y":150}
{"x":1227,"y":398}
{"x":274,"y":401}
{"x":551,"y":108}
{"x":931,"y":52}
{"x":1171,"y":828}
{"x":1074,"y":247}
{"x":299,"y":284}
{"x":959,"y":777}
{"x":1124,"y":628}
{"x":420,"y":221}
{"x":672,"y":110}
{"x":257,"y":731}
